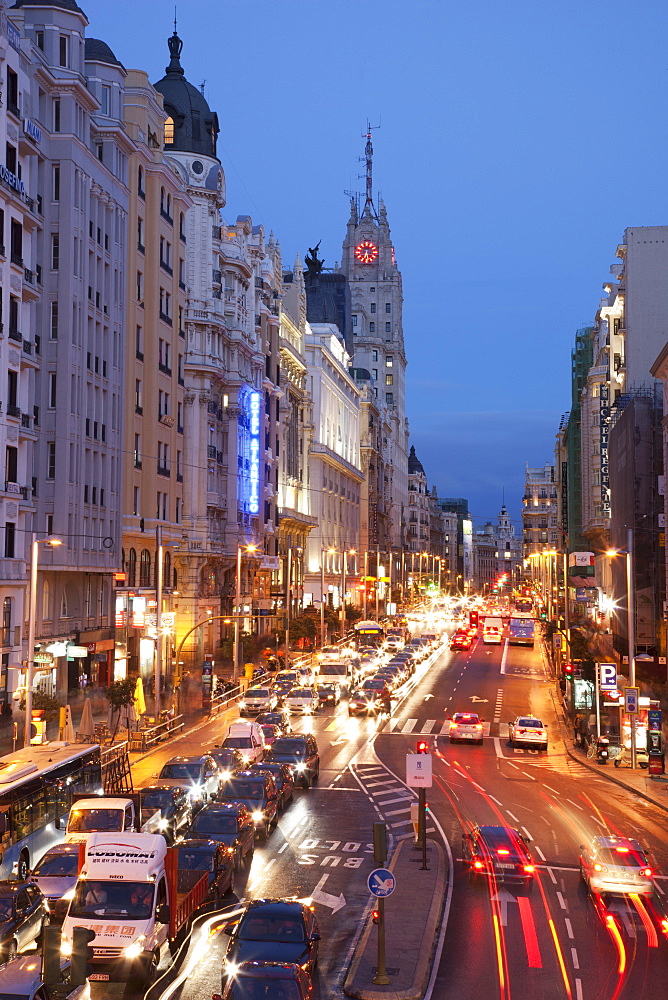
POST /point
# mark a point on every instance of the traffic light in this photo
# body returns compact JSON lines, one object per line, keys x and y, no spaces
{"x":375,"y":916}
{"x":567,"y":669}
{"x":422,"y":747}
{"x":51,"y":955}
{"x":82,"y":954}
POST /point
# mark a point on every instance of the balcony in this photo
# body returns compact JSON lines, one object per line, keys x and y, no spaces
{"x":165,"y":369}
{"x":165,"y":318}
{"x":27,"y":347}
{"x":14,"y":108}
{"x":13,"y":411}
{"x":211,"y":451}
{"x":166,"y":420}
{"x":217,"y":277}
{"x":163,"y":470}
{"x":167,"y":216}
{"x":141,"y":248}
{"x":179,"y":477}
{"x":17,"y":490}
{"x":139,"y":355}
{"x":16,"y":259}
{"x":166,"y":267}
{"x":216,"y":232}
{"x":29,"y":276}
{"x":216,"y":293}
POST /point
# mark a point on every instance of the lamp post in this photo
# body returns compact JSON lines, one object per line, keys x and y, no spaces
{"x":344,"y":568}
{"x":631,"y":624}
{"x":366,"y":573}
{"x":32,"y":620}
{"x":237,"y":608}
{"x":377,"y":582}
{"x":158,"y":623}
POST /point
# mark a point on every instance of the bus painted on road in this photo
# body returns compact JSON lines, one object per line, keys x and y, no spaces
{"x":36,"y":788}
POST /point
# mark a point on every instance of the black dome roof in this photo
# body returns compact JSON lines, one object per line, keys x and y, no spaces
{"x":99,"y":51}
{"x":195,"y":124}
{"x":63,"y":4}
{"x":414,"y":463}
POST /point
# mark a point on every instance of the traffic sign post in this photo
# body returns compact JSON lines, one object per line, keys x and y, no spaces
{"x":607,"y":673}
{"x":381,"y":883}
{"x":419,"y":775}
{"x":631,"y":696}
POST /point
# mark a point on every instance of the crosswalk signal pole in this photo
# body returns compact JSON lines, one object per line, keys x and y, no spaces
{"x":422,"y":826}
{"x":379,"y":855}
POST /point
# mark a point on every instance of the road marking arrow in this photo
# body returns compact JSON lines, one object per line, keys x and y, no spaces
{"x":326,"y":898}
{"x":341,"y":739}
{"x":474,"y":697}
{"x":428,"y":696}
{"x":503,"y":897}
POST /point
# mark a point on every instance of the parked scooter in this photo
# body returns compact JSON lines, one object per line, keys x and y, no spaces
{"x":623,"y":759}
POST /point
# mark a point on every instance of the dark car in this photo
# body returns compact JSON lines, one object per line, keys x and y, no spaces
{"x":279,"y":717}
{"x":270,"y":733}
{"x":273,"y":930}
{"x":257,"y":791}
{"x":300,"y":751}
{"x":499,"y":853}
{"x":329,"y":692}
{"x":200,"y":773}
{"x":228,"y":823}
{"x":275,"y":980}
{"x":228,"y":761}
{"x":282,"y":775}
{"x":375,"y":684}
{"x":23,"y":914}
{"x":365,"y":702}
{"x":174,"y":805}
{"x":196,"y":857}
{"x":56,"y":875}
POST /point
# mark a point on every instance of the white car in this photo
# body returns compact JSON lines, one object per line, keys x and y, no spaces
{"x":22,"y":979}
{"x":466,"y":726}
{"x":303,"y":699}
{"x":527,"y":730}
{"x":616,"y":865}
{"x":258,"y":699}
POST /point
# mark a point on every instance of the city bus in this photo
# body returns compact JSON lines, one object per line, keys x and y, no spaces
{"x":36,"y":788}
{"x":368,"y":634}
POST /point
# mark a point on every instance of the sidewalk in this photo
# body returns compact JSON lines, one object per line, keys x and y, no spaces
{"x":413,"y":914}
{"x":654,"y":789}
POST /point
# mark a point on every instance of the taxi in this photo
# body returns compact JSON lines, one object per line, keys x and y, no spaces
{"x":467,"y":727}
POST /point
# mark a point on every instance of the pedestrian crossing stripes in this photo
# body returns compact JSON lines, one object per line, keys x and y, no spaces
{"x":431,"y":727}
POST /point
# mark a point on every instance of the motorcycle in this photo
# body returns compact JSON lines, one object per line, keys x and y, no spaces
{"x":623,"y":759}
{"x":599,"y":748}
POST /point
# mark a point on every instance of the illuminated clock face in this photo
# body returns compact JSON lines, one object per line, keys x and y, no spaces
{"x":366,"y":252}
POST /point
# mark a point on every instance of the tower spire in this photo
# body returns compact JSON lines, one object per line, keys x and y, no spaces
{"x":368,"y":156}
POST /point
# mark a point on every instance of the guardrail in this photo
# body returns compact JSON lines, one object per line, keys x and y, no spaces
{"x":142,"y":739}
{"x":222,"y":701}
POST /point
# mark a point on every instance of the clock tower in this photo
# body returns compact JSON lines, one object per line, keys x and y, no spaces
{"x":376,"y":343}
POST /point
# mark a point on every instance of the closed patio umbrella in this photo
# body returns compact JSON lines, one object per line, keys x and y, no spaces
{"x":87,"y":726}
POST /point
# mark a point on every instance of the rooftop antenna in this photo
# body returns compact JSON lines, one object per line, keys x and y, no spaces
{"x":201,"y":87}
{"x":368,"y":156}
{"x":174,"y":18}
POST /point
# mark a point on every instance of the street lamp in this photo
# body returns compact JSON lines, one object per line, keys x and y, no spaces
{"x":344,"y":568}
{"x":630,"y":627}
{"x":323,"y":595}
{"x":51,"y":541}
{"x":237,"y":608}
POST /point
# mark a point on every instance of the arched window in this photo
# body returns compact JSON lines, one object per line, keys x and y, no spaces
{"x":46,"y":601}
{"x":169,"y":132}
{"x":64,"y":604}
{"x":175,"y":580}
{"x":132,"y":568}
{"x":145,"y":568}
{"x":7,"y":621}
{"x":167,"y":570}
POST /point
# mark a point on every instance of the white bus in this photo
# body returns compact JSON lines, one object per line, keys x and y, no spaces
{"x":36,"y":788}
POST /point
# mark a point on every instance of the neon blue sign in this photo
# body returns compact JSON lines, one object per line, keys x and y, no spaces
{"x":254,"y":472}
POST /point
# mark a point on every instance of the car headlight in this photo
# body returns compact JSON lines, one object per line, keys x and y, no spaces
{"x":258,"y":816}
{"x":135,"y":949}
{"x":196,"y":792}
{"x":300,"y":767}
{"x":162,"y":825}
{"x":231,"y":968}
{"x":65,"y":947}
{"x":226,"y":774}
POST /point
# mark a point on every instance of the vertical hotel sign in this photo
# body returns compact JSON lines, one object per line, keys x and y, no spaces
{"x":254,"y":469}
{"x":604,"y":417}
{"x":564,"y":496}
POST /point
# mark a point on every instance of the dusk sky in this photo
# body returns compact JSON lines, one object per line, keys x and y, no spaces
{"x":517,"y":142}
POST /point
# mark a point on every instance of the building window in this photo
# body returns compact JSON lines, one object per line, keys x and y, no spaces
{"x":39,"y":40}
{"x":53,"y":325}
{"x":372,"y":327}
{"x":389,"y":379}
{"x":56,"y":182}
{"x":138,"y":396}
{"x":389,"y":361}
{"x":139,"y":343}
{"x":354,"y":321}
{"x":10,"y":539}
{"x":55,"y":251}
{"x":56,"y":116}
{"x":388,"y":328}
{"x":373,"y":307}
{"x":51,"y":460}
{"x":389,"y":398}
{"x":145,"y":568}
{"x":137,"y":451}
{"x":63,"y":50}
{"x":135,"y":502}
{"x":52,"y":390}
{"x":169,"y":132}
{"x":105,"y":102}
{"x":140,"y":287}
{"x":388,"y":307}
{"x":132,"y":568}
{"x":374,"y":355}
{"x":11,"y":463}
{"x":140,"y":181}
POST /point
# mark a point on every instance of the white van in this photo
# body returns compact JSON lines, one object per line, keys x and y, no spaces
{"x":247,"y":738}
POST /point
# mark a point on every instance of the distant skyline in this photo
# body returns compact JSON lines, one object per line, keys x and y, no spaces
{"x":517,"y":143}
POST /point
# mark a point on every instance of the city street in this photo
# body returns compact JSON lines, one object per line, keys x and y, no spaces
{"x":546,"y":942}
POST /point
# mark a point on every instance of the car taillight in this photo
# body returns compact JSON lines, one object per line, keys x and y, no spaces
{"x":529,"y":868}
{"x":478,"y":864}
{"x":646,"y":871}
{"x":522,"y":732}
{"x":600,"y":868}
{"x":502,"y":850}
{"x":478,"y":726}
{"x":664,"y":927}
